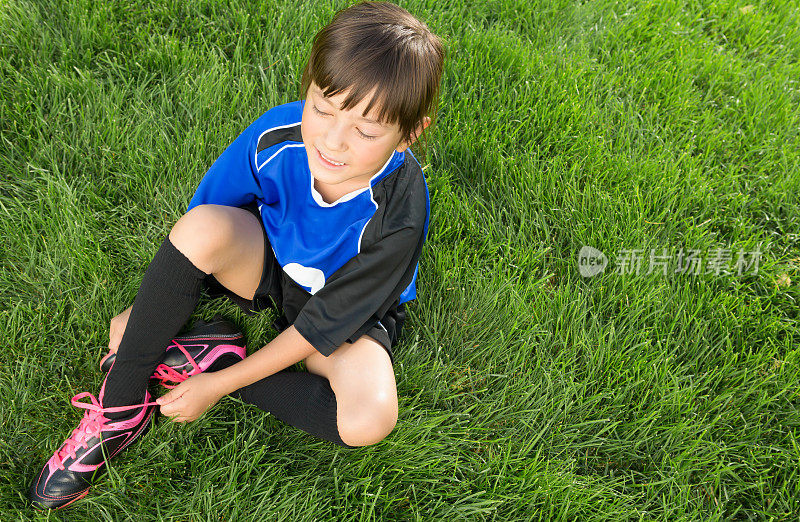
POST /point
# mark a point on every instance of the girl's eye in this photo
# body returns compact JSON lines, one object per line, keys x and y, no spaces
{"x":366,"y":136}
{"x":319,"y":111}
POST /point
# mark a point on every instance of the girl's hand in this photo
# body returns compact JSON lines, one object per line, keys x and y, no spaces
{"x":117,"y":328}
{"x":191,"y":398}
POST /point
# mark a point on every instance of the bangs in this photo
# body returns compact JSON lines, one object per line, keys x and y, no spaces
{"x":395,"y":65}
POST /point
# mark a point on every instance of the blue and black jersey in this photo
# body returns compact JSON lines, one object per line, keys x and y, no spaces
{"x":355,"y":257}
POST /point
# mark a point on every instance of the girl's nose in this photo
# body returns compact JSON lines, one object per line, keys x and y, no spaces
{"x":334,"y":137}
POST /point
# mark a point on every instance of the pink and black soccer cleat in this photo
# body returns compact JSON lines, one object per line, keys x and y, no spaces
{"x":195,"y":351}
{"x":67,"y":476}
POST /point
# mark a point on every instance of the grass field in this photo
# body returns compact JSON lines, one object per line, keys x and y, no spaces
{"x":526,"y":391}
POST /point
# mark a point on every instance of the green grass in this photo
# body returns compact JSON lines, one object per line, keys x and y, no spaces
{"x":526,"y":391}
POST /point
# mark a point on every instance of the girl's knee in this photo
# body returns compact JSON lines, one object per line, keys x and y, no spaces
{"x":201,"y":234}
{"x":369,"y":426}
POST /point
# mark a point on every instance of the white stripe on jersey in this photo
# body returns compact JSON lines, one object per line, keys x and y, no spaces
{"x":255,"y":160}
{"x":279,"y":151}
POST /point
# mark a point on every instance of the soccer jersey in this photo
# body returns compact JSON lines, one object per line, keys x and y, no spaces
{"x":357,"y":256}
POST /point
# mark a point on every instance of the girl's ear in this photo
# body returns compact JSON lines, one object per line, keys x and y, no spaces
{"x":426,"y":121}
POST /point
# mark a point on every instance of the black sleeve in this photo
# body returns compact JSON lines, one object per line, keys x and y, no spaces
{"x":357,"y":295}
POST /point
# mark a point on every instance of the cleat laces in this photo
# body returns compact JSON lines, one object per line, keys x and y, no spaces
{"x":168,"y":374}
{"x":91,"y":425}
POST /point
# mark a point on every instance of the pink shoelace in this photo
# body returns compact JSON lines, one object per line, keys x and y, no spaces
{"x":93,"y":420}
{"x":166,"y":373}
{"x":91,"y":425}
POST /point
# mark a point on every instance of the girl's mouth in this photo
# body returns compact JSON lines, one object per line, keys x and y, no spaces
{"x":329,"y":162}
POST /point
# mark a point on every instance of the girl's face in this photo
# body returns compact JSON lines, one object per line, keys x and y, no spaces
{"x":345,"y":149}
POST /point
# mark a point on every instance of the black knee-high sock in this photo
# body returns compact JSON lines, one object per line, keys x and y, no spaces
{"x":167,"y":296}
{"x":301,"y":399}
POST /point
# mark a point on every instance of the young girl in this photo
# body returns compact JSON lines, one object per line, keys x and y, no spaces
{"x":318,"y":208}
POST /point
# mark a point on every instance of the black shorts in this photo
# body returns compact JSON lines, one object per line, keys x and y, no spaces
{"x":278,"y":291}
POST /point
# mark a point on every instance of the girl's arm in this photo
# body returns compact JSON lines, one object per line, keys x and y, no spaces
{"x":288,"y":348}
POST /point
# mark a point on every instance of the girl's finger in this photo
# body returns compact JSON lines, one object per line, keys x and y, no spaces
{"x":171,"y":410}
{"x":173,"y":395}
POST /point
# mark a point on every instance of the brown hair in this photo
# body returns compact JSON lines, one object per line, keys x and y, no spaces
{"x":380,"y":47}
